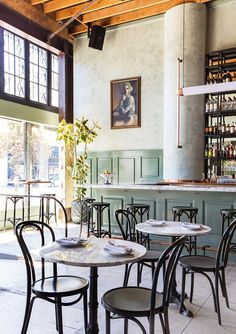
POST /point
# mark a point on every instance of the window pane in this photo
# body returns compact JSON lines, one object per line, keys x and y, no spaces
{"x":55,"y":63}
{"x":11,"y":151}
{"x":19,"y":47}
{"x":33,"y":54}
{"x":42,"y":76}
{"x":9,"y":83}
{"x":14,"y":66}
{"x":34,"y":73}
{"x":55,"y":81}
{"x":55,"y":101}
{"x":42,"y":94}
{"x":33,"y":91}
{"x":9,"y":63}
{"x":45,"y":155}
{"x":20,"y":69}
{"x":20,"y":87}
{"x":8,"y":41}
{"x":43,"y":58}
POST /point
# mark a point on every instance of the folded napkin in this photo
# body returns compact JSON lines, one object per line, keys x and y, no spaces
{"x":155,"y":222}
{"x":70,"y":241}
{"x":118,"y":249}
{"x":192,"y":226}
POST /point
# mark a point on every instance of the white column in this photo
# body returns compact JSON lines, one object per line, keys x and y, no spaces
{"x":185,"y":38}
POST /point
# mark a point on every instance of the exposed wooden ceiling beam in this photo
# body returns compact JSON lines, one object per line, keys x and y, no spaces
{"x":135,"y":15}
{"x":37,"y":2}
{"x":55,"y":5}
{"x":66,"y":13}
{"x":120,"y":9}
{"x":32,"y":13}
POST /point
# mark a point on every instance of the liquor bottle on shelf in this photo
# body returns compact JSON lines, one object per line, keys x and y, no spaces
{"x":223,"y":126}
{"x":214,"y":150}
{"x":228,"y":77}
{"x":210,"y":129}
{"x":234,"y":76}
{"x":223,"y":103}
{"x":227,"y":129}
{"x":215,"y":104}
{"x":232,"y":128}
{"x":214,"y":129}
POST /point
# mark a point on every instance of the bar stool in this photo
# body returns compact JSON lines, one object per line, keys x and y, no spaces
{"x":140,"y":210}
{"x":14,"y":220}
{"x":227,"y":216}
{"x":191,"y":214}
{"x":84,"y":216}
{"x":44,"y":210}
{"x":96,"y":228}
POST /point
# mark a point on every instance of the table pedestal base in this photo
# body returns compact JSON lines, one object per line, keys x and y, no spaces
{"x":175,"y":297}
{"x":93,"y":302}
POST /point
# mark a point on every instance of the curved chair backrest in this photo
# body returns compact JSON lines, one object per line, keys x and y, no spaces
{"x":223,"y":249}
{"x":169,"y":258}
{"x":126,"y":221}
{"x":41,"y":228}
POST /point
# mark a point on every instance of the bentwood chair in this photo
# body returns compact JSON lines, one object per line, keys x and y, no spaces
{"x":133,"y":302}
{"x":126,"y":221}
{"x":205,"y":264}
{"x":50,"y":288}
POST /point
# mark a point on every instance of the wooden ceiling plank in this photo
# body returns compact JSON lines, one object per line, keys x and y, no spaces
{"x":37,"y":2}
{"x":53,"y":6}
{"x":123,"y":8}
{"x":66,"y":13}
{"x":32,"y":13}
{"x":133,"y":16}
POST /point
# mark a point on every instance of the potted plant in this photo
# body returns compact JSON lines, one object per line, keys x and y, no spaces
{"x":77,"y":137}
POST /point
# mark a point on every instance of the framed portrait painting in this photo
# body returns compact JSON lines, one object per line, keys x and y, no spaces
{"x":126,"y":103}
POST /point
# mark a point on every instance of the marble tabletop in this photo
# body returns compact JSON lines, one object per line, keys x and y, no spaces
{"x":172,"y":229}
{"x":91,"y":253}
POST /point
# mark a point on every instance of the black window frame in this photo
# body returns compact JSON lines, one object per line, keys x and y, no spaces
{"x":26,"y":100}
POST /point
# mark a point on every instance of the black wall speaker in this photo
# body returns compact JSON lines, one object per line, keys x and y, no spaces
{"x":97,"y":36}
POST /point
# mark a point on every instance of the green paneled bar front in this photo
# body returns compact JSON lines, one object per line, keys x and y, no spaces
{"x":138,"y":179}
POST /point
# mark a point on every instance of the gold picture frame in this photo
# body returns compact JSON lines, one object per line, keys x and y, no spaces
{"x":126,"y":103}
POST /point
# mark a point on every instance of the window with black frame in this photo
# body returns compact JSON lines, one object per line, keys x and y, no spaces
{"x":30,"y":72}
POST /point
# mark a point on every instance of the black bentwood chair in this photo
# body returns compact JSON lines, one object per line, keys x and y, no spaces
{"x":126,"y":221}
{"x":52,"y":288}
{"x":133,"y":302}
{"x":205,"y":264}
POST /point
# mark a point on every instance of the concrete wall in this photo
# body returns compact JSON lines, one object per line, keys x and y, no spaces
{"x":138,"y":49}
{"x":129,"y":51}
{"x":221,"y":25}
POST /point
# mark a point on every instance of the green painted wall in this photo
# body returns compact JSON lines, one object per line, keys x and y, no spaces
{"x":21,"y":112}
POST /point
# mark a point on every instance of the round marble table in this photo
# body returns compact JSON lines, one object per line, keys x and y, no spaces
{"x":174,"y":230}
{"x":92,"y":255}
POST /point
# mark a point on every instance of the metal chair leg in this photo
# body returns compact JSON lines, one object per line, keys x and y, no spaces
{"x":59,"y":315}
{"x":108,"y":323}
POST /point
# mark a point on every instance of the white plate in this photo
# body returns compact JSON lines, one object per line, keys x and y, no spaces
{"x":111,"y":252}
{"x":156,"y":222}
{"x":71,"y":241}
{"x":192,"y":226}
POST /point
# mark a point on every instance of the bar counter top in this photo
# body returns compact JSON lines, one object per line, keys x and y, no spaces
{"x":188,"y":186}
